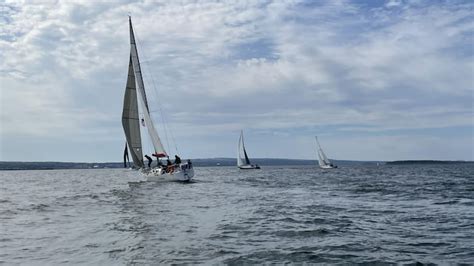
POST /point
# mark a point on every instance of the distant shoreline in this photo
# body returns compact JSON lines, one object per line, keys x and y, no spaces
{"x":425,"y":162}
{"x":209,"y":162}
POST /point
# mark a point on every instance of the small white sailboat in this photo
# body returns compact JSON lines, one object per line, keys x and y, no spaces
{"x":323,"y":159}
{"x":135,"y":97}
{"x":243,"y":161}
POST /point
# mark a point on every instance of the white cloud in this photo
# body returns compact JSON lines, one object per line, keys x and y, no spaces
{"x":221,"y":66}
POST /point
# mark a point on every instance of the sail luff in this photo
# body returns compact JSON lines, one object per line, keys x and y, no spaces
{"x":155,"y":139}
{"x":130,"y":120}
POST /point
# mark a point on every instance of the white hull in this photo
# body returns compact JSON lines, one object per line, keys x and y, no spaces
{"x":183,"y":173}
{"x":249,"y":166}
{"x":327,"y":167}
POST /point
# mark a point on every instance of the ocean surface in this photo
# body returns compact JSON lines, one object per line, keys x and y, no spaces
{"x":356,"y":214}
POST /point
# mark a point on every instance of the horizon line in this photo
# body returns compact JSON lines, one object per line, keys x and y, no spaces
{"x":230,"y":158}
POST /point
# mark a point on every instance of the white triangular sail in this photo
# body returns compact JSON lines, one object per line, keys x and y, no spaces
{"x":322,"y":158}
{"x":155,"y":139}
{"x":240,"y":160}
{"x":242,"y":157}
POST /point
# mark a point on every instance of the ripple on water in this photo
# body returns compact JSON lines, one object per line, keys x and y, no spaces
{"x":358,"y":214}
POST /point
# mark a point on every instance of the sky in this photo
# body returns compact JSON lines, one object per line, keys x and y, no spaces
{"x":374,"y":80}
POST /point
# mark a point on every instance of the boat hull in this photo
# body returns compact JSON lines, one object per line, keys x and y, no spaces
{"x":248,"y":167}
{"x":327,"y":166}
{"x":182,"y":173}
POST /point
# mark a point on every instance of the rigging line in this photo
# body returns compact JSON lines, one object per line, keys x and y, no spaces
{"x":174,"y":142}
{"x":155,"y":94}
{"x":166,"y":126}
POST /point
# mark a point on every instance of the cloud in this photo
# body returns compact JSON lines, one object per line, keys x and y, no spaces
{"x":216,"y":67}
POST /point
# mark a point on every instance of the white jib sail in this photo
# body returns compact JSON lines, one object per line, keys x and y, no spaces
{"x":320,"y":159}
{"x":155,"y":139}
{"x":323,"y":159}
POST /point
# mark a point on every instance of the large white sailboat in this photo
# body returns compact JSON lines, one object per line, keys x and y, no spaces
{"x":243,"y":161}
{"x":323,"y":159}
{"x":135,"y":97}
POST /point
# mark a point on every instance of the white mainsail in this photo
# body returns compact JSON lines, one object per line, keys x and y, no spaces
{"x":155,"y":139}
{"x":130,"y":119}
{"x":240,"y":161}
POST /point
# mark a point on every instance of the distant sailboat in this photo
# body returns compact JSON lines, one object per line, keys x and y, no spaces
{"x":323,"y":159}
{"x":134,"y":93}
{"x":243,"y":161}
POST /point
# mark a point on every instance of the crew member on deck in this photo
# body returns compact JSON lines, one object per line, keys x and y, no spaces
{"x":149,"y":160}
{"x":177,"y":160}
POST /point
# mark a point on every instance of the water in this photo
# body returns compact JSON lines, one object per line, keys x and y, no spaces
{"x":357,"y":214}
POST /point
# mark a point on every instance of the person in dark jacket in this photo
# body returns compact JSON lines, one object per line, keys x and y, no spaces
{"x":177,"y":160}
{"x":149,"y":160}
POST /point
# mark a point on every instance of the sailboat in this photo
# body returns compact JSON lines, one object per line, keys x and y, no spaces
{"x":323,"y":159}
{"x":243,"y":161}
{"x":135,"y":97}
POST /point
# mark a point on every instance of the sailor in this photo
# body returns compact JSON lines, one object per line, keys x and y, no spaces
{"x":149,"y":160}
{"x":177,"y":160}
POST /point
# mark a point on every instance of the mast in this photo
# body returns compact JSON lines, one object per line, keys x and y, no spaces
{"x":155,"y":139}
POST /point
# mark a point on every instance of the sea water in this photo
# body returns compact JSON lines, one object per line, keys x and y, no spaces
{"x":353,"y":214}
